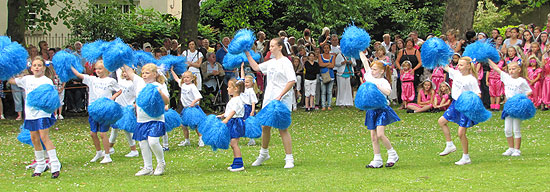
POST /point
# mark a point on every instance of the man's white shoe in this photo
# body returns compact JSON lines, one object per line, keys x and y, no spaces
{"x":508,"y":152}
{"x":463,"y":161}
{"x":107,"y":159}
{"x":516,"y":153}
{"x":261,"y":158}
{"x":160,"y":169}
{"x":143,"y":172}
{"x":96,"y":157}
{"x":132,"y":154}
{"x":448,"y":150}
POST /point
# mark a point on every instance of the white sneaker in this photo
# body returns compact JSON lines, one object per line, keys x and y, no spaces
{"x":289,"y":163}
{"x":516,"y":153}
{"x":261,"y":158}
{"x":60,"y":117}
{"x":160,"y":169}
{"x":96,"y":157}
{"x":463,"y":161}
{"x":144,"y":171}
{"x":112,"y":150}
{"x":392,"y":159}
{"x":252,"y":142}
{"x":107,"y":159}
{"x":235,"y":170}
{"x":201,"y":143}
{"x":184,"y":143}
{"x":132,"y":154}
{"x":508,"y":152}
{"x":448,"y":150}
{"x":2,"y":116}
{"x":375,"y":164}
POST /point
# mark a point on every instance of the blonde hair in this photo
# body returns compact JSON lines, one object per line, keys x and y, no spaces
{"x":522,"y":67}
{"x":473,"y":70}
{"x":406,"y":63}
{"x":238,"y":84}
{"x":49,"y":73}
{"x":254,"y":85}
{"x":193,"y":78}
{"x":448,"y":88}
{"x":153,"y":68}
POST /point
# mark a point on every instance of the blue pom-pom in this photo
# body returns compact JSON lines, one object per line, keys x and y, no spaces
{"x":13,"y":58}
{"x":171,"y":120}
{"x":435,"y":53}
{"x":275,"y":114}
{"x":369,"y":97}
{"x":105,"y":111}
{"x":25,"y":137}
{"x":44,"y":97}
{"x":243,"y":40}
{"x":214,"y":133}
{"x":117,"y":55}
{"x":93,"y":51}
{"x":192,"y":116}
{"x":354,"y":40}
{"x":232,"y":61}
{"x":150,"y":101}
{"x":252,"y":127}
{"x":481,"y":51}
{"x":128,"y":121}
{"x":62,"y":63}
{"x":141,"y":58}
{"x":177,"y":62}
{"x":472,"y":107}
{"x":521,"y":107}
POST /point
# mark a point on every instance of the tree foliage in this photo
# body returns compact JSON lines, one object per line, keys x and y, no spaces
{"x":488,"y":16}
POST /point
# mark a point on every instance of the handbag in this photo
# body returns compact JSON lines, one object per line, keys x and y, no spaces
{"x":325,"y":77}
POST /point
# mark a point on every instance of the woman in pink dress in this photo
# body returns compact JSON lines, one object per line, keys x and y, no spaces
{"x":496,"y":87}
{"x":425,"y":98}
{"x":407,"y":83}
{"x":534,"y":74}
{"x":545,"y":96}
{"x":438,"y":76}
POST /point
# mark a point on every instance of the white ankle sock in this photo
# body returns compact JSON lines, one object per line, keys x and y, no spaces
{"x":377,"y":157}
{"x":264,"y":151}
{"x":54,"y":161}
{"x":40,"y":161}
{"x":289,"y":156}
{"x":450,"y":143}
{"x":466,"y":156}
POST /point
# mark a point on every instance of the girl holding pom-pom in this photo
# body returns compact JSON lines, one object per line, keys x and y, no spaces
{"x":189,"y":97}
{"x":377,"y":119}
{"x":98,"y":87}
{"x":249,"y":98}
{"x":127,"y":97}
{"x":233,"y":118}
{"x":407,"y":83}
{"x":463,"y":80}
{"x":149,"y":129}
{"x":280,"y":80}
{"x":514,"y":84}
{"x":38,"y":121}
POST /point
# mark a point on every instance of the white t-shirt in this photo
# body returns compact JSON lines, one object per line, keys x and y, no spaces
{"x":193,"y":57}
{"x":279,"y":72}
{"x":235,"y":104}
{"x":29,"y":83}
{"x":128,"y":95}
{"x":462,"y":83}
{"x":188,"y":94}
{"x":514,"y":86}
{"x":249,"y":96}
{"x":100,"y":87}
{"x":377,"y":81}
{"x":139,"y":84}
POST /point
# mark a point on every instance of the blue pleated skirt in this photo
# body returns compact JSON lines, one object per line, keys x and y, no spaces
{"x":149,"y":129}
{"x":457,"y":117}
{"x":39,"y":124}
{"x":236,"y":127}
{"x":247,"y":110}
{"x":380,"y":117}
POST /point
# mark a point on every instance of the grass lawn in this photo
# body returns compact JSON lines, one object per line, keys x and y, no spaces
{"x":331,"y":149}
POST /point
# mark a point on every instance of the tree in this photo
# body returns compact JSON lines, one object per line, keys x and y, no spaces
{"x":189,"y":21}
{"x":16,"y":22}
{"x":459,"y":15}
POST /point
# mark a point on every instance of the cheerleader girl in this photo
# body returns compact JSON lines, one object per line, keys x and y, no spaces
{"x":514,"y":83}
{"x":463,"y":80}
{"x":496,"y":88}
{"x":98,"y":87}
{"x":377,"y":119}
{"x":249,"y":99}
{"x":37,"y":121}
{"x":407,"y":83}
{"x":280,"y":80}
{"x":149,"y":129}
{"x":127,"y":97}
{"x":534,"y":74}
{"x":233,"y":118}
{"x":190,"y":97}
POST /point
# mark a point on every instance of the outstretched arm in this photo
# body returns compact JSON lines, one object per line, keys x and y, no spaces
{"x":364,"y":60}
{"x":77,"y":74}
{"x":176,"y":77}
{"x":251,"y":61}
{"x":494,"y":66}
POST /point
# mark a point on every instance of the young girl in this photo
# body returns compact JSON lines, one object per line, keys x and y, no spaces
{"x":326,"y":62}
{"x":299,"y":69}
{"x":190,"y":97}
{"x":527,"y":40}
{"x":377,"y":119}
{"x":311,"y":72}
{"x":127,"y":97}
{"x":98,"y":87}
{"x":280,"y":80}
{"x":425,"y":98}
{"x":442,"y":97}
{"x":496,"y":88}
{"x":149,"y":129}
{"x":514,"y":83}
{"x":407,"y":83}
{"x":545,"y":95}
{"x":534,"y":74}
{"x":463,"y":80}
{"x":60,"y":86}
{"x":438,"y":76}
{"x":37,"y":121}
{"x":249,"y":99}
{"x":233,"y":117}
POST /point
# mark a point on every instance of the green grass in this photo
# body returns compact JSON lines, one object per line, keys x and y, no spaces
{"x":331,"y":150}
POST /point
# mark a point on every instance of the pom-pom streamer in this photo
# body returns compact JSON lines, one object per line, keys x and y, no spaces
{"x":354,"y":40}
{"x":13,"y":58}
{"x":128,"y":121}
{"x":472,"y":107}
{"x":141,"y":58}
{"x":177,"y":62}
{"x":117,"y":55}
{"x":171,"y":120}
{"x":521,"y":107}
{"x":369,"y":97}
{"x":242,"y":41}
{"x":94,"y":51}
{"x":435,"y":53}
{"x":192,"y":116}
{"x":62,"y":63}
{"x":481,"y":51}
{"x":150,"y":101}
{"x":215,"y":133}
{"x":44,"y":97}
{"x":275,"y":114}
{"x":252,"y":128}
{"x":105,"y":111}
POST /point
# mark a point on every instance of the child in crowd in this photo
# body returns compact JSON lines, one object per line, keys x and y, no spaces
{"x":534,"y":74}
{"x":149,"y":129}
{"x":425,"y":98}
{"x":190,"y":97}
{"x":514,"y":83}
{"x":438,"y":76}
{"x":545,"y":95}
{"x":100,"y":86}
{"x":463,"y":80}
{"x":311,"y":71}
{"x":407,"y":83}
{"x":496,"y":88}
{"x":442,"y":98}
{"x":127,"y":97}
{"x":233,"y":118}
{"x":60,"y":86}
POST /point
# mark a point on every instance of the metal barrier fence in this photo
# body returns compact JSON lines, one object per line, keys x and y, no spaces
{"x":54,"y":40}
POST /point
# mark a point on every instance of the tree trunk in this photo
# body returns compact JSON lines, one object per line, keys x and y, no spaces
{"x":189,"y":21}
{"x":459,"y":15}
{"x":16,"y":21}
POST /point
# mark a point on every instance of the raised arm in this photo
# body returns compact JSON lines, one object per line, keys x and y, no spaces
{"x":242,"y":70}
{"x":251,"y":61}
{"x":76,"y":73}
{"x":494,"y":66}
{"x":176,"y":77}
{"x":364,"y":60}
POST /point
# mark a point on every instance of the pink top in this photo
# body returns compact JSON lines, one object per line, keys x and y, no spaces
{"x":407,"y":76}
{"x":424,"y":97}
{"x":438,"y":72}
{"x":494,"y":74}
{"x":547,"y":67}
{"x":440,"y":99}
{"x":532,"y":73}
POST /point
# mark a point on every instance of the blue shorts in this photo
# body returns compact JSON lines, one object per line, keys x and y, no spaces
{"x":247,"y":110}
{"x":97,"y":127}
{"x":39,"y":124}
{"x":149,"y":129}
{"x":236,"y":127}
{"x":457,"y":117}
{"x":380,"y":117}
